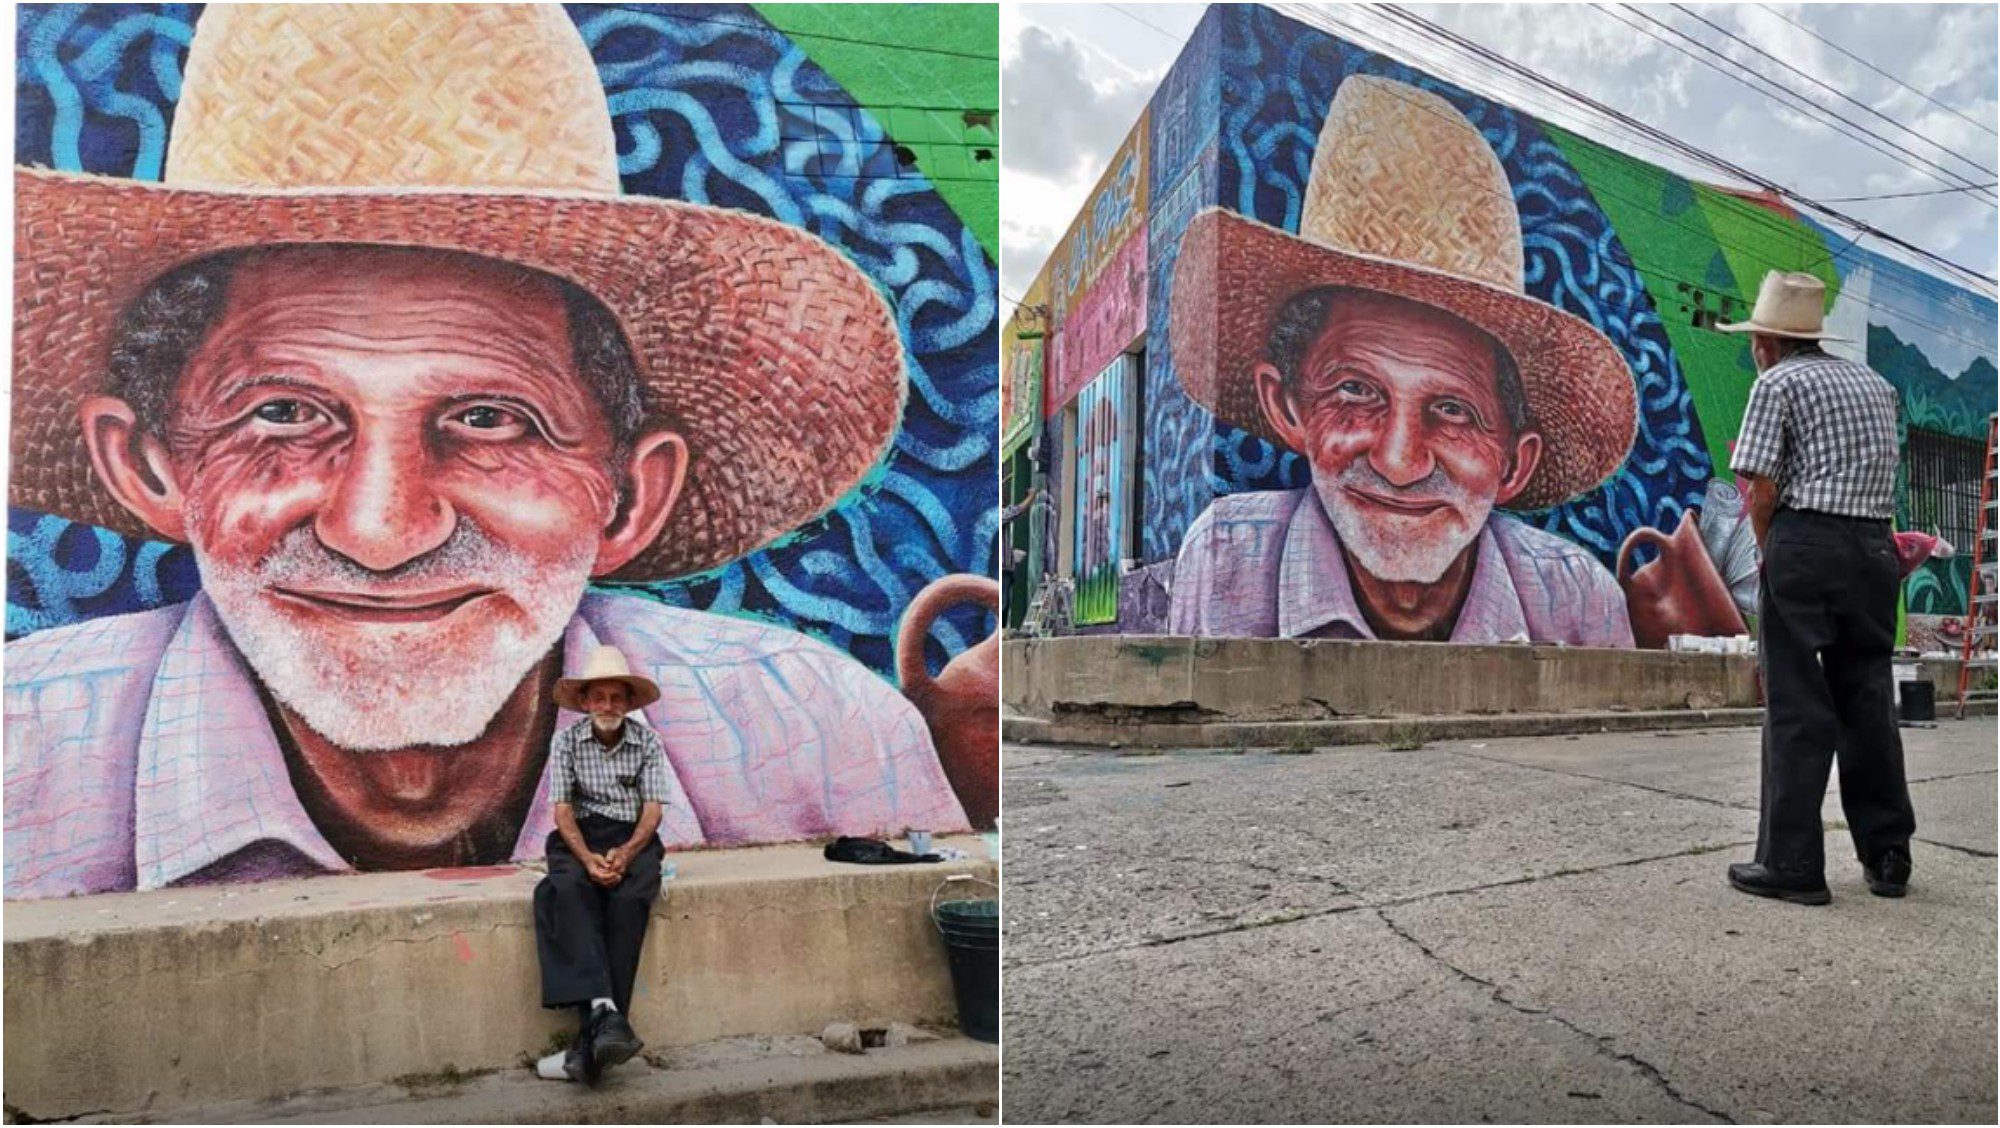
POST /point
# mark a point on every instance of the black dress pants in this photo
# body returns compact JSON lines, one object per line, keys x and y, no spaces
{"x":1826,"y":630}
{"x":588,"y":937}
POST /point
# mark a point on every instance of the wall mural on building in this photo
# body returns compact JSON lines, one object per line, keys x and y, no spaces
{"x":1461,"y":369}
{"x":1105,"y":320}
{"x":1175,"y":480}
{"x":1100,"y":497}
{"x":376,"y":363}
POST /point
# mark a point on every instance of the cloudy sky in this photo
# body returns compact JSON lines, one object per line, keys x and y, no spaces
{"x":1075,"y":77}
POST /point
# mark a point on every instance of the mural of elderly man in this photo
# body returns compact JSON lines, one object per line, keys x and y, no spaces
{"x":1391,"y":345}
{"x":390,"y":351}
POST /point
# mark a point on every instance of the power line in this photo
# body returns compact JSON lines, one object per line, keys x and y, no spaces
{"x":1908,"y":195}
{"x":1136,"y":18}
{"x":1452,"y":71}
{"x":1878,"y":70}
{"x":1792,"y":99}
{"x":1449,"y":70}
{"x":1835,"y":91}
{"x":1690,"y":151}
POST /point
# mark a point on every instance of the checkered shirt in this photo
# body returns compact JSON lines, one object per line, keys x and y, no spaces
{"x":1824,"y":430}
{"x":612,"y":782}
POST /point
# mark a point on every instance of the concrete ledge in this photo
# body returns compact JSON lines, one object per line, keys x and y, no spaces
{"x":782,"y":1080}
{"x":1237,"y":679}
{"x":1383,"y":730}
{"x":1168,"y":691}
{"x":145,"y":1002}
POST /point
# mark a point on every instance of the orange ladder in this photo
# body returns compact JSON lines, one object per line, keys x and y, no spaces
{"x":1983,"y":593}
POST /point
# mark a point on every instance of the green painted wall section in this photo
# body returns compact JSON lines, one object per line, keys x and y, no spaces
{"x":930,"y":75}
{"x":1755,"y":239}
{"x":1665,"y":230}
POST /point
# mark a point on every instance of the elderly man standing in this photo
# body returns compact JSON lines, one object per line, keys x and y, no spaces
{"x":1818,"y":448}
{"x":608,"y":783}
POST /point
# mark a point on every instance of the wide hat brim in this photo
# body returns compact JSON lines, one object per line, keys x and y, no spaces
{"x":569,"y":691}
{"x":1234,"y":275}
{"x":1795,"y":334}
{"x":771,"y":354}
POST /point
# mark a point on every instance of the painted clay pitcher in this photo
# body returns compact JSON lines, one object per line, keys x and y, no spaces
{"x":1680,"y":592}
{"x":962,"y":704}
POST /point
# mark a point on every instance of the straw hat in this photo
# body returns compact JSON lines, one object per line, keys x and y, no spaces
{"x":480,"y":129}
{"x":1789,"y":304}
{"x":1404,"y":198}
{"x":606,"y":663}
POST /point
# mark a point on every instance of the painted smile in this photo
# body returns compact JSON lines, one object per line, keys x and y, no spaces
{"x":380,"y":607}
{"x":1408,"y":506}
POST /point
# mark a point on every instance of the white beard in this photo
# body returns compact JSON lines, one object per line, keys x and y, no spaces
{"x":380,"y":687}
{"x":1386,"y":553}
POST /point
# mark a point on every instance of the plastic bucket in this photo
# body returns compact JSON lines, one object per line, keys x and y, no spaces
{"x":971,"y":932}
{"x":1919,"y":701}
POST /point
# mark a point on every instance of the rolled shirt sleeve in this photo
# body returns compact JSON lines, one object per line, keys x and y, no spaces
{"x":653,"y":784}
{"x":1760,"y":446}
{"x":562,"y":767}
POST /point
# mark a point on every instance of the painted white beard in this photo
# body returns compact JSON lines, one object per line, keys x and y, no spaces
{"x":380,"y":687}
{"x":1387,"y":555}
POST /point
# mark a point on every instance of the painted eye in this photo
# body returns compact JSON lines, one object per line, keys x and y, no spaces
{"x":1354,"y":390}
{"x":488,"y":421}
{"x":1453,"y":411}
{"x":484,"y":418}
{"x":287,"y":413}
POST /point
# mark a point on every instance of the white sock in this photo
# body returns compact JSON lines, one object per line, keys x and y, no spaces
{"x":596,"y":1003}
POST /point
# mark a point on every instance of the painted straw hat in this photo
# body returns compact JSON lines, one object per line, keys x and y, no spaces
{"x":480,"y":129}
{"x":606,"y":663}
{"x":1404,"y":198}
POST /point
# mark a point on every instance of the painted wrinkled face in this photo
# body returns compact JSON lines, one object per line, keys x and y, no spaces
{"x":1409,"y":444}
{"x":395,"y":485}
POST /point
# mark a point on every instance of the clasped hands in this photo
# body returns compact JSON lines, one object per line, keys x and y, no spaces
{"x":608,"y":869}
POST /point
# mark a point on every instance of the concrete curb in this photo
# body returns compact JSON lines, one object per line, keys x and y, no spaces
{"x":1018,"y":729}
{"x":813,"y":1089}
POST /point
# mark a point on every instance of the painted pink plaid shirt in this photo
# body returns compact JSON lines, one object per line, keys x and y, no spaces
{"x":139,"y":755}
{"x":1268,"y":565}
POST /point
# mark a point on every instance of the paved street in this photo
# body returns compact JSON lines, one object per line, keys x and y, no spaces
{"x":1524,"y":930}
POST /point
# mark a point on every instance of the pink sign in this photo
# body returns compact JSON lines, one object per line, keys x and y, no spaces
{"x":1102,"y":324}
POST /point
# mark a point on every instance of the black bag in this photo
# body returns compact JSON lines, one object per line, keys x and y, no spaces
{"x":873,"y":852}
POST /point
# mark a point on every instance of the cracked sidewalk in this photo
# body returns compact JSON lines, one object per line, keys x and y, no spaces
{"x":1528,"y":930}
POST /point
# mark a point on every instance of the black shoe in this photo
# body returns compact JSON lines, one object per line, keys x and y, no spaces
{"x":1890,"y":875}
{"x":581,"y":1062}
{"x":614,"y":1042}
{"x":1798,"y":888}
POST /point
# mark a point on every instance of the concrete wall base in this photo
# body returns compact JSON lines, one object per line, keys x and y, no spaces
{"x":1133,"y":681}
{"x":145,"y":1002}
{"x":1390,"y":731}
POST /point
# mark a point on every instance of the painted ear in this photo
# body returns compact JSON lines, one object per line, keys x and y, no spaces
{"x":132,"y":463}
{"x":656,"y":471}
{"x":1279,"y":411}
{"x":1527,"y":457}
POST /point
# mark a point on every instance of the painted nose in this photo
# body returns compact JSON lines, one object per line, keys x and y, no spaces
{"x":1401,"y":454}
{"x":383,"y":512}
